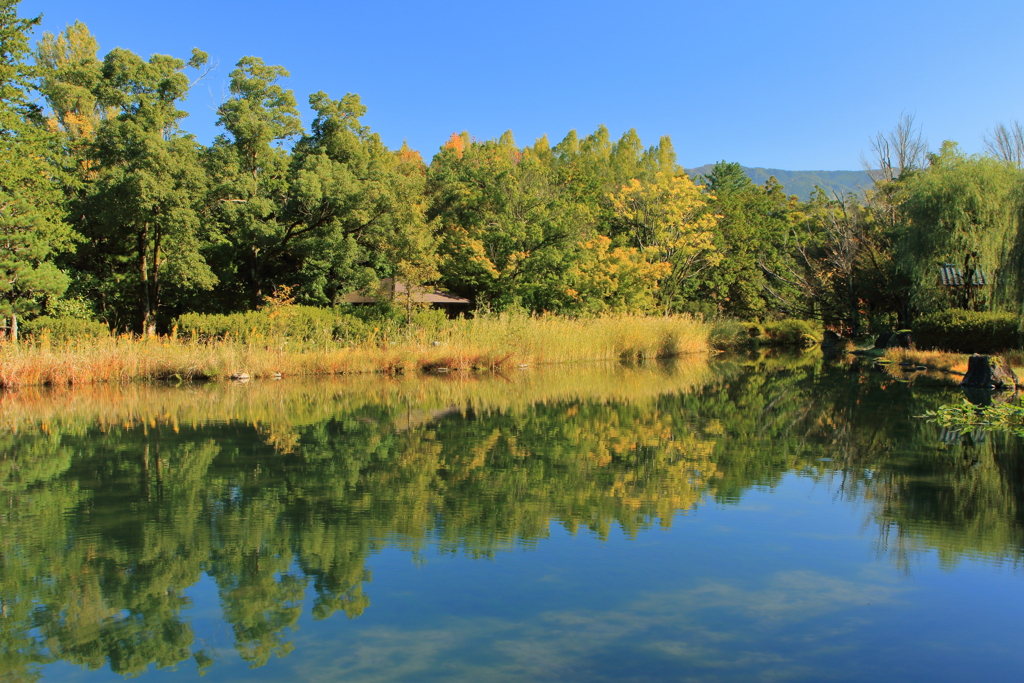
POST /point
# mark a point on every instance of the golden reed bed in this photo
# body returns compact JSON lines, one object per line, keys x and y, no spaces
{"x":485,"y":344}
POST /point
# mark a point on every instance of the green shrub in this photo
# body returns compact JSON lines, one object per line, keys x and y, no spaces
{"x":350,"y":329}
{"x":298,"y":323}
{"x":791,"y":332}
{"x":728,"y":333}
{"x":967,"y":331}
{"x":62,"y":330}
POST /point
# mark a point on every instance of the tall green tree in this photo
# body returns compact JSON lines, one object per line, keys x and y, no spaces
{"x":249,"y":168}
{"x":69,"y":73}
{"x":961,"y":210}
{"x":511,"y":220}
{"x":31,"y":182}
{"x":142,"y":203}
{"x":355,"y":210}
{"x":751,"y":280}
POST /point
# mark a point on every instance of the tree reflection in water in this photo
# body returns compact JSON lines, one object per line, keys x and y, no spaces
{"x":117,"y":500}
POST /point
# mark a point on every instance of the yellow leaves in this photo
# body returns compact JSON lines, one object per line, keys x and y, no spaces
{"x":472,"y":253}
{"x":667,"y":218}
{"x":669,"y":222}
{"x":617,"y":279}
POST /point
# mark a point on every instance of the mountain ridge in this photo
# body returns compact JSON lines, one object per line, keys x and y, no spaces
{"x":802,"y":183}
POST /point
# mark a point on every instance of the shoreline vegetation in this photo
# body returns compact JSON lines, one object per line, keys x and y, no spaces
{"x":491,"y":343}
{"x":303,"y":248}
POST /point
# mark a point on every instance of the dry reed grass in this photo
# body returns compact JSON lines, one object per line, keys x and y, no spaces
{"x":488,"y":343}
{"x":942,"y":361}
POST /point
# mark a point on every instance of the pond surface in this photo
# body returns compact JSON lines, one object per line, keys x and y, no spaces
{"x":749,"y":519}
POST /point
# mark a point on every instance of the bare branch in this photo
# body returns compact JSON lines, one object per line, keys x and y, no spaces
{"x":212,"y":66}
{"x":1007,"y":143}
{"x":900,"y":150}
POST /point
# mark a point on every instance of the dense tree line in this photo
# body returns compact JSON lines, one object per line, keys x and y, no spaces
{"x":110,"y":210}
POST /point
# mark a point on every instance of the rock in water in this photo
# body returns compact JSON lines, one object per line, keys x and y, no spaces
{"x":989,"y":372}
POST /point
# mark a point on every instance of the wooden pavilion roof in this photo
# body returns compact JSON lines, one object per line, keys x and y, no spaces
{"x":390,"y":288}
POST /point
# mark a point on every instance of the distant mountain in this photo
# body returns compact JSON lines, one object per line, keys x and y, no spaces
{"x":802,"y":183}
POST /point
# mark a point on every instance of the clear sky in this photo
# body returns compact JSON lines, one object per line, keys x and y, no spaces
{"x":783,"y":84}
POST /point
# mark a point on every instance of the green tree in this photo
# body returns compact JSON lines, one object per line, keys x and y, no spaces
{"x":962,"y":210}
{"x":142,"y":203}
{"x":355,"y":210}
{"x":249,"y":170}
{"x":69,"y":73}
{"x":31,"y":182}
{"x":509,"y":221}
{"x":753,"y":236}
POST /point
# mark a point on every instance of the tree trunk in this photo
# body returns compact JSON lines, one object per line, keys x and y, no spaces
{"x":155,"y":300}
{"x":14,"y":327}
{"x":852,"y":303}
{"x":988,"y":372}
{"x":144,"y":282}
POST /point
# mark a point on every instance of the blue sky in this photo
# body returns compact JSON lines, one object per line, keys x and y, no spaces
{"x":785,"y":84}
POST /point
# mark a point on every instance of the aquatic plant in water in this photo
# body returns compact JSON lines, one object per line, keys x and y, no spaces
{"x":963,"y":416}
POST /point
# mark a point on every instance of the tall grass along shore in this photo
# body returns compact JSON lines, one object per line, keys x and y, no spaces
{"x":486,"y":343}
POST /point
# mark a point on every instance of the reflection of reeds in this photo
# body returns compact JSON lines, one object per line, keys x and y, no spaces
{"x":943,"y":361}
{"x":490,"y":343}
{"x":286,"y":403}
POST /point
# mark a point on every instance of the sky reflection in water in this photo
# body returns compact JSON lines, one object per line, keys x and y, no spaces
{"x":608,"y":524}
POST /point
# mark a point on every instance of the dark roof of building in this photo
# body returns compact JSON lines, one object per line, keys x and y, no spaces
{"x":390,"y":288}
{"x":951,"y":276}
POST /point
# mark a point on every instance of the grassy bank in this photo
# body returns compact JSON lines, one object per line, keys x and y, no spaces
{"x":488,"y":343}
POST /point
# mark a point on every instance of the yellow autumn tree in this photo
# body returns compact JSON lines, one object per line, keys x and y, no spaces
{"x":668,"y":222}
{"x":621,"y":280}
{"x":70,"y":69}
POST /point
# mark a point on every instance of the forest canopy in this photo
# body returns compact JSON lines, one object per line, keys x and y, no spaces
{"x":111,"y":211}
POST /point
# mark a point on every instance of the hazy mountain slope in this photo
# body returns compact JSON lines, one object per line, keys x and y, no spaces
{"x":802,"y":183}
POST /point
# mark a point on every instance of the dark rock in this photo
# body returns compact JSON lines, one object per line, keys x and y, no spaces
{"x":892,"y":340}
{"x":883,"y":341}
{"x":989,"y":372}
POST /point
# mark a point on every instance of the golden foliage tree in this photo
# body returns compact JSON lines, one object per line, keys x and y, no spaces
{"x":667,"y":221}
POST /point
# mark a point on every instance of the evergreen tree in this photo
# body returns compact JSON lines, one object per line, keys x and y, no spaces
{"x":31,"y":183}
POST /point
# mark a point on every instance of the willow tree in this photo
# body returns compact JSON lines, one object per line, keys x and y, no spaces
{"x":961,"y":210}
{"x":249,"y":167}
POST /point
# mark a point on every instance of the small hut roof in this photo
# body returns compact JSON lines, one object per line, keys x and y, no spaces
{"x":951,"y":276}
{"x":391,"y":288}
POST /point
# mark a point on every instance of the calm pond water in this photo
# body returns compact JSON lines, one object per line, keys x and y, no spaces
{"x":749,"y":519}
